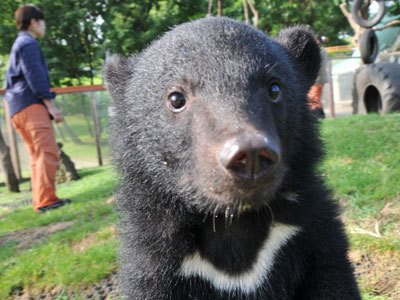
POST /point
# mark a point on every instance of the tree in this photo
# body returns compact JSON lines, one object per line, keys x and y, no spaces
{"x":253,"y":10}
{"x":8,"y":31}
{"x":81,"y":32}
{"x":358,"y":30}
{"x":324,"y":16}
{"x":6,"y":164}
{"x":365,"y":14}
{"x":129,"y":26}
{"x":73,"y":41}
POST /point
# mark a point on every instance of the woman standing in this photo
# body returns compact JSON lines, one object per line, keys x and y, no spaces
{"x":31,"y":107}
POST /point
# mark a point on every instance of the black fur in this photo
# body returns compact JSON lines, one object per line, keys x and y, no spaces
{"x":175,"y":198}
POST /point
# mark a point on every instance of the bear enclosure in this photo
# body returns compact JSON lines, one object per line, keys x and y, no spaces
{"x":83,"y":133}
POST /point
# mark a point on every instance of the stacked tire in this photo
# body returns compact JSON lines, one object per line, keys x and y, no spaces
{"x":357,"y":4}
{"x":376,"y":88}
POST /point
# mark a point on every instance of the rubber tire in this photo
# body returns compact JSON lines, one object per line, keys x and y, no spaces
{"x":376,"y":89}
{"x":367,"y":23}
{"x":369,"y":47}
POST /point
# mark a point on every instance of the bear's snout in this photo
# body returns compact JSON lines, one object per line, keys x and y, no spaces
{"x":250,"y":156}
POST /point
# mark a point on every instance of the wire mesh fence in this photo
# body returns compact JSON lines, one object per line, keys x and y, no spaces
{"x":83,"y":133}
{"x":87,"y":111}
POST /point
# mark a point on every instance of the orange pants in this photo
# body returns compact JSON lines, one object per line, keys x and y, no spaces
{"x":314,"y":96}
{"x":34,"y":126}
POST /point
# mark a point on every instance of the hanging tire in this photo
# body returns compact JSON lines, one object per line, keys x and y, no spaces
{"x":367,"y":23}
{"x":376,"y":89}
{"x":369,"y":48}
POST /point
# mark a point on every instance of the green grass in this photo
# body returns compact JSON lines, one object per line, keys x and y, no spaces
{"x":363,"y":160}
{"x":361,"y":166}
{"x":52,"y":261}
{"x":86,"y":151}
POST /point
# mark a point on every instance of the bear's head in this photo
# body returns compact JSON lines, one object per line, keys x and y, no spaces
{"x":215,"y":114}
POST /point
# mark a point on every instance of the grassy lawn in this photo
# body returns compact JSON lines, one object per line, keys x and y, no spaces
{"x":37,"y":255}
{"x":75,"y":247}
{"x":362,"y":166}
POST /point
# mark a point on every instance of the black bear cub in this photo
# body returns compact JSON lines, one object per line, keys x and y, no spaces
{"x":216,"y":149}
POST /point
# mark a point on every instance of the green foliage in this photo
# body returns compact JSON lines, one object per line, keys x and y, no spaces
{"x":131,"y":25}
{"x":394,"y":9}
{"x":81,"y":32}
{"x":73,"y":41}
{"x":325,"y":16}
{"x":8,"y":31}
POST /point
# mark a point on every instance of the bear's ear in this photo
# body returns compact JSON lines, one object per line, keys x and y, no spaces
{"x":116,"y":74}
{"x":302,"y":46}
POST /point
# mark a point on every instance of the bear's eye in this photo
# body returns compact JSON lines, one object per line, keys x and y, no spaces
{"x":275,"y":92}
{"x":176,"y":101}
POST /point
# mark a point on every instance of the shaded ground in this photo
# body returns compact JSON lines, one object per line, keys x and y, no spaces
{"x":27,"y":237}
{"x":106,"y":289}
{"x":16,"y":204}
{"x":378,"y":271}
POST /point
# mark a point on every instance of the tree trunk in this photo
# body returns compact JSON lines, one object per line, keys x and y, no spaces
{"x":246,"y":12}
{"x":88,"y":45}
{"x":210,"y":5}
{"x":219,"y":8}
{"x":9,"y":174}
{"x":357,"y":28}
{"x":255,"y":13}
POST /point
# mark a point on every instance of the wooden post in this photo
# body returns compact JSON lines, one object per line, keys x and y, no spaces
{"x":330,"y":90}
{"x":13,"y":142}
{"x":96,"y":126}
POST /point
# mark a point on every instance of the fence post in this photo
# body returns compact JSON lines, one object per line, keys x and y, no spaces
{"x":330,"y":90}
{"x":96,"y":126}
{"x":13,"y":142}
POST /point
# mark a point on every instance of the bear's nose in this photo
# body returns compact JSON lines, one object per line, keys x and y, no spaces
{"x":250,"y":156}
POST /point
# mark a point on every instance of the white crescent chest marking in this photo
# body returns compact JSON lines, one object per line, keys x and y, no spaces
{"x":246,"y":282}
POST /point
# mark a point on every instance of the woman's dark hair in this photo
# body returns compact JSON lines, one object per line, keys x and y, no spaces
{"x":24,"y":14}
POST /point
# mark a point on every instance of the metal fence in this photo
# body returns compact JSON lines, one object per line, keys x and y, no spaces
{"x":83,"y":132}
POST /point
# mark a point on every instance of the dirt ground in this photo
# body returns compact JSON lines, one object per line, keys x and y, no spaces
{"x":378,"y":271}
{"x":26,"y":238}
{"x":107,"y":289}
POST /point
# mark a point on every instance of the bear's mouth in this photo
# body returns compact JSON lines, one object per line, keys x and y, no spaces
{"x":241,"y":195}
